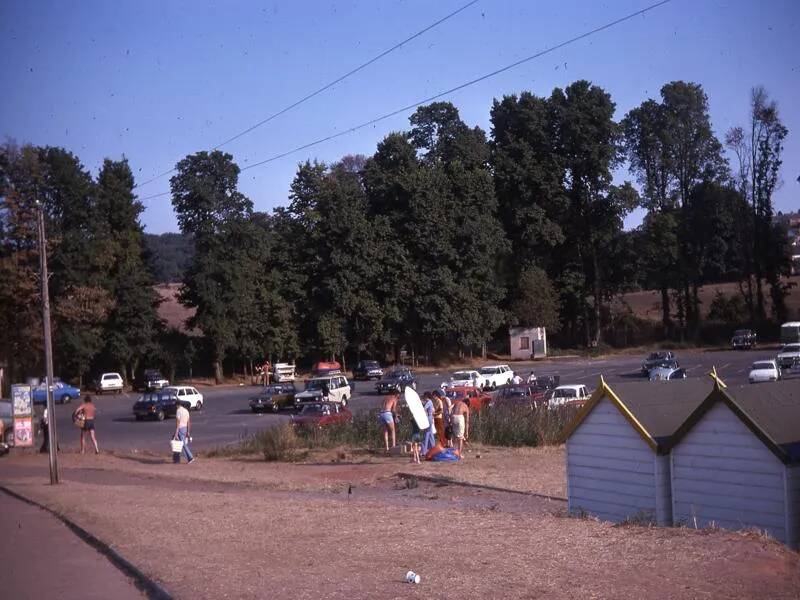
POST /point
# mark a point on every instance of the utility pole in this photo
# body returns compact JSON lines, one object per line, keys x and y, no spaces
{"x":48,"y":348}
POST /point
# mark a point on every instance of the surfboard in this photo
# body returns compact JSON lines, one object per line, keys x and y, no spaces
{"x":417,"y":410}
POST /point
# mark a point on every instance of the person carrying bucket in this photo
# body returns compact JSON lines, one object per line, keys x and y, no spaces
{"x":183,"y":429}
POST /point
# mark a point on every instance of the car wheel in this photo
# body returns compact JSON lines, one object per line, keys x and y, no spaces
{"x":139,"y":417}
{"x":199,"y":405}
{"x":65,"y":399}
{"x":344,"y":401}
{"x":275,"y":407}
{"x":161,"y":416}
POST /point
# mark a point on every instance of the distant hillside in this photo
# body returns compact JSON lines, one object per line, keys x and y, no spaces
{"x":169,"y":254}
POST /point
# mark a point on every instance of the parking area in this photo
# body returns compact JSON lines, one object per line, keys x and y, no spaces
{"x":226,"y":416}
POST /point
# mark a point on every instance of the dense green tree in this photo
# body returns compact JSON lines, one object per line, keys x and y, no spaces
{"x":210,"y":207}
{"x":535,"y":300}
{"x":133,"y":324}
{"x":168,"y":255}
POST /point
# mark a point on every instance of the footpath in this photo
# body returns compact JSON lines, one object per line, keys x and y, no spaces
{"x":42,"y":559}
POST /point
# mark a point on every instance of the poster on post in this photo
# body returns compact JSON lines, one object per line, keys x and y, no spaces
{"x":22,"y":400}
{"x":23,"y":431}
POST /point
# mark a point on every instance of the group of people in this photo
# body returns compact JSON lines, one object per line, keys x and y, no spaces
{"x":448,"y":421}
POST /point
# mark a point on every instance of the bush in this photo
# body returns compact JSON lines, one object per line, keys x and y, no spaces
{"x":520,"y":425}
{"x":277,"y":443}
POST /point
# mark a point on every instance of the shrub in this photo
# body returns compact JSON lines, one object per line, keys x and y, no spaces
{"x":520,"y":425}
{"x":277,"y":443}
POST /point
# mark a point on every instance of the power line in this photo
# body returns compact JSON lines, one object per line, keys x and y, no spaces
{"x":325,"y":87}
{"x":408,"y":107}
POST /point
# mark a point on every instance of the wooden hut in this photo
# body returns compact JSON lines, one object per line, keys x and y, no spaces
{"x":735,"y":462}
{"x":618,"y":464}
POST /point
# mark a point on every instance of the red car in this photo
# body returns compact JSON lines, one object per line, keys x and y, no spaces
{"x":474,"y":397}
{"x":524,"y":393}
{"x":321,"y":414}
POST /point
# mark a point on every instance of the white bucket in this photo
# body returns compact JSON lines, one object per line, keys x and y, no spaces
{"x":176,"y":445}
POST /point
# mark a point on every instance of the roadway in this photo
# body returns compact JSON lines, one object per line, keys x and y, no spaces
{"x":226,"y":416}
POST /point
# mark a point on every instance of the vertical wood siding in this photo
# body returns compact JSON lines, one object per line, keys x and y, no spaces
{"x":723,"y":475}
{"x":610,"y":468}
{"x":793,"y":504}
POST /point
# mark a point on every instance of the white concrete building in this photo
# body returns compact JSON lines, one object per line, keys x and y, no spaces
{"x":527,"y":342}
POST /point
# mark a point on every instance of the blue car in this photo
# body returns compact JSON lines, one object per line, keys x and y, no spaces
{"x":62,"y":393}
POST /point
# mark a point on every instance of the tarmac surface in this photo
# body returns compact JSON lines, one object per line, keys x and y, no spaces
{"x":41,"y":558}
{"x":227,"y":418}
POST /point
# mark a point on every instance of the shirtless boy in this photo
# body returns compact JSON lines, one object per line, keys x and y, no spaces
{"x":386,"y":417}
{"x":459,"y":420}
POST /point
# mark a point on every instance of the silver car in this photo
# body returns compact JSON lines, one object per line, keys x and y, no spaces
{"x":666,"y":374}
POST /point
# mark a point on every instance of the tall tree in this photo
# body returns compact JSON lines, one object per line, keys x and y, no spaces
{"x":133,"y":324}
{"x":210,"y":207}
{"x":759,"y":154}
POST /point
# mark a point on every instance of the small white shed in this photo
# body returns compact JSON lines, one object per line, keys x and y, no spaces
{"x":527,"y":342}
{"x":618,"y":465}
{"x":736,"y":461}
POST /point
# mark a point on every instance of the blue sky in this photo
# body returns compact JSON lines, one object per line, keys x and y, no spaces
{"x":154,"y":81}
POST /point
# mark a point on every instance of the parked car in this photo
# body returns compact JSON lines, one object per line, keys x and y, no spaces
{"x":63,"y":393}
{"x":331,"y":388}
{"x":396,"y":381}
{"x":109,"y":382}
{"x":283,"y":372}
{"x":274,"y":397}
{"x":150,"y":380}
{"x":6,"y":416}
{"x":790,"y":333}
{"x":743,"y":339}
{"x":474,"y":397}
{"x":764,"y":370}
{"x":664,"y":365}
{"x":788,"y":356}
{"x":187,"y":395}
{"x":496,"y":375}
{"x":466,"y":379}
{"x":156,"y":405}
{"x":567,"y":394}
{"x":667,"y":373}
{"x":655,"y":359}
{"x":367,"y":369}
{"x":321,"y":414}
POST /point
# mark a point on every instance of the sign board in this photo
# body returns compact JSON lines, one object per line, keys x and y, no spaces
{"x":23,"y":431}
{"x":22,"y":411}
{"x":21,"y":400}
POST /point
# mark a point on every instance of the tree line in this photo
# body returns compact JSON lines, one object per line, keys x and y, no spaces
{"x":435,"y":244}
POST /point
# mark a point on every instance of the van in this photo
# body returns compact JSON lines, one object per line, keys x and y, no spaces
{"x":282,"y":372}
{"x":790,"y":333}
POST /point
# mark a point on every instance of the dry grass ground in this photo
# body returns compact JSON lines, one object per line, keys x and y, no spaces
{"x":241,"y":528}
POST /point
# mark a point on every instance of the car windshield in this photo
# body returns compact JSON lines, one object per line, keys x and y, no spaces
{"x":740,"y":332}
{"x":488,"y":371}
{"x":316,"y":384}
{"x":657,"y":356}
{"x":517,"y":391}
{"x":763,"y":366}
{"x":461,"y":375}
{"x":371,"y":364}
{"x":791,"y":348}
{"x":273,"y":389}
{"x":316,"y":409}
{"x":566,"y":393}
{"x":395,"y":375}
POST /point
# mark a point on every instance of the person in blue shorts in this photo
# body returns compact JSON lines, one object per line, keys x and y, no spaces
{"x":387,"y":418}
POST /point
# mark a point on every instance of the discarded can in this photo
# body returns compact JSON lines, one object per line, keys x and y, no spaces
{"x":412,"y":577}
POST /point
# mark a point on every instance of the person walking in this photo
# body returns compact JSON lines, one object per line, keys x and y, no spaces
{"x":183,"y":430}
{"x":387,"y":418}
{"x":87,"y":411}
{"x":459,"y":420}
{"x":429,"y":434}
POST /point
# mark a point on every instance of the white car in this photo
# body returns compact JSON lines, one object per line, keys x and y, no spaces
{"x":496,"y":375}
{"x":567,"y":394}
{"x":788,"y":356}
{"x":466,"y":379}
{"x":110,"y":382}
{"x":764,"y":370}
{"x":187,"y":394}
{"x":338,"y":389}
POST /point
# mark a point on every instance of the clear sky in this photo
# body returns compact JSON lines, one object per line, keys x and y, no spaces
{"x":156,"y":80}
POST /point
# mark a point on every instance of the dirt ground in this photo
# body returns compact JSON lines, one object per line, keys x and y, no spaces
{"x":242,"y":528}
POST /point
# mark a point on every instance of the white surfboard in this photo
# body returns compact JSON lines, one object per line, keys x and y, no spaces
{"x":417,"y":410}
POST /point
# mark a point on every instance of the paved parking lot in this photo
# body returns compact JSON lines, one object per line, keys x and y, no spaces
{"x":227,"y":418}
